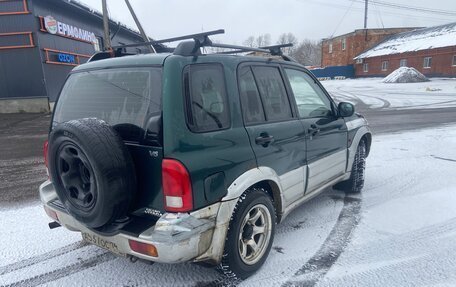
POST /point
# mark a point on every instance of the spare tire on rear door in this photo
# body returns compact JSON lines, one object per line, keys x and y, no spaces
{"x":92,"y":171}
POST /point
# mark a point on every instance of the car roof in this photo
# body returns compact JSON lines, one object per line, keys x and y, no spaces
{"x":159,"y":59}
{"x":131,"y":60}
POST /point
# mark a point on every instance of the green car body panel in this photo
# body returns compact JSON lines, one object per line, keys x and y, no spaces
{"x":215,"y":159}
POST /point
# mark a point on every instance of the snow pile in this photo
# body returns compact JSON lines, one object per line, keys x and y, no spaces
{"x":405,"y":75}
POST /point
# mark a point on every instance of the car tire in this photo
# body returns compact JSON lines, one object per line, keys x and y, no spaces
{"x":246,"y":250}
{"x":92,"y":171}
{"x":356,"y":181}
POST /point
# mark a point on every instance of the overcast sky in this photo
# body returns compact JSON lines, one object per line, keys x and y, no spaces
{"x":312,"y":19}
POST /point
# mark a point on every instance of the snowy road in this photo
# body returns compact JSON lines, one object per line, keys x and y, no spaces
{"x":371,"y":93}
{"x":399,"y":107}
{"x":399,"y":232}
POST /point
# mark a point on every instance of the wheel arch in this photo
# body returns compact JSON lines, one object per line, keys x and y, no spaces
{"x":262,"y":177}
{"x":273,"y":190}
{"x":367,"y":138}
{"x":363,"y":133}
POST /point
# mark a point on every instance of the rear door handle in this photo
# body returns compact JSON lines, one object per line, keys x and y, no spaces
{"x":264,"y":139}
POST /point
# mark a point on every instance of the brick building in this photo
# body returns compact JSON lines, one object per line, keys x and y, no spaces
{"x":432,"y":51}
{"x":340,"y":50}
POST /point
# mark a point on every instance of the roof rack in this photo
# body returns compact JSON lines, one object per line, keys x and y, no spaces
{"x":275,"y":50}
{"x":117,"y":51}
{"x":188,"y":49}
{"x":193,"y":48}
{"x":200,"y":37}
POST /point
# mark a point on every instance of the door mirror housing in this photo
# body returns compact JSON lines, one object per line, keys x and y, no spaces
{"x":346,"y":109}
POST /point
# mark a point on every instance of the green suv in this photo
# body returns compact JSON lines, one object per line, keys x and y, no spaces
{"x":195,"y":157}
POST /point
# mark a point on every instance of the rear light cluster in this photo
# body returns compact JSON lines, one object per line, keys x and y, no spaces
{"x":177,"y":187}
{"x":143,"y":248}
{"x":45,"y":152}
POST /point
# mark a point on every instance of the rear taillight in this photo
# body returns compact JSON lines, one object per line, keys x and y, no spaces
{"x":143,"y":248}
{"x":45,"y":152}
{"x":177,"y":187}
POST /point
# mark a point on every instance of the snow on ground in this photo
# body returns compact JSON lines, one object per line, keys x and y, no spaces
{"x":405,"y":235}
{"x":438,"y":93}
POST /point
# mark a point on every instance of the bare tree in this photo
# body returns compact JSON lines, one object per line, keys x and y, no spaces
{"x":263,"y":40}
{"x":308,"y":53}
{"x":286,"y":38}
{"x":249,"y":42}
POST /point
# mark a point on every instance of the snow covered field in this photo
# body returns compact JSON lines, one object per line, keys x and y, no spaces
{"x":401,"y":231}
{"x":438,"y":93}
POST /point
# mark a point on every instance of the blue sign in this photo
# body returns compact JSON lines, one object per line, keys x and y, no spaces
{"x":67,"y":58}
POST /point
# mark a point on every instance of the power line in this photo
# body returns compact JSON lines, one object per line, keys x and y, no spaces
{"x":344,"y":7}
{"x":410,"y":8}
{"x":379,"y":14}
{"x":341,"y":20}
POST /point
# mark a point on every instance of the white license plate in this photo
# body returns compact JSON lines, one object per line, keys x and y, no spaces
{"x":103,"y":243}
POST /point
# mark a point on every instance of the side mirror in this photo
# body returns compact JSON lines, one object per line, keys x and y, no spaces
{"x":346,"y":109}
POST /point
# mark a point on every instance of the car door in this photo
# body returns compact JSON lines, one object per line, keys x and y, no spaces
{"x":276,"y":135}
{"x":326,"y":133}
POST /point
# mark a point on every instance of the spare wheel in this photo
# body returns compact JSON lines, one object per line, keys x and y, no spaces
{"x":92,"y":171}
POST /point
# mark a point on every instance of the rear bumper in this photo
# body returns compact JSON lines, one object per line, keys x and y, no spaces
{"x":177,"y":237}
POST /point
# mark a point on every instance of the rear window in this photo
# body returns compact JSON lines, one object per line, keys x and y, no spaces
{"x":207,"y":104}
{"x":122,"y":97}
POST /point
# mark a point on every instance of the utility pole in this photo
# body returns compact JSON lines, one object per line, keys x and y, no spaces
{"x":106,"y":36}
{"x":366,"y":4}
{"x":138,"y":24}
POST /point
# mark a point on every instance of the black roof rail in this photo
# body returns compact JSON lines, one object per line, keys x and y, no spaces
{"x":199,"y":37}
{"x":274,"y":50}
{"x":192,"y":48}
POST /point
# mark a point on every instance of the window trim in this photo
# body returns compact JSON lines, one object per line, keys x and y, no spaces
{"x":344,"y":44}
{"x":454,"y":61}
{"x":403,"y":60}
{"x":293,"y":113}
{"x":330,"y":47}
{"x":318,"y":83}
{"x":366,"y":67}
{"x":385,"y":65}
{"x":294,"y":117}
{"x":240,"y":101}
{"x":429,"y":62}
{"x":187,"y":96}
{"x":25,"y":10}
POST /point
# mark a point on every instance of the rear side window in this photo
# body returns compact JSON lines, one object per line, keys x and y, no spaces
{"x":207,"y":105}
{"x":122,"y":97}
{"x":252,"y":109}
{"x":273,"y":93}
